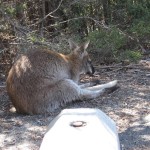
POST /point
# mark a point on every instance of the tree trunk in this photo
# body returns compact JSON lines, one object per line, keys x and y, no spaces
{"x":106,"y":11}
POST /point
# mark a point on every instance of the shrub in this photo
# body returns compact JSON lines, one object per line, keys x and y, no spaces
{"x":140,"y":28}
{"x":130,"y":55}
{"x":107,"y":42}
{"x":138,"y":9}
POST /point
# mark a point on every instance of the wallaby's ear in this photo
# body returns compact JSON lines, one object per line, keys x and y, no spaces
{"x":81,"y":51}
{"x":72,"y":44}
{"x":83,"y":47}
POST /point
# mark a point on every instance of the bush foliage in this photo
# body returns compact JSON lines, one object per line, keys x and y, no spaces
{"x":115,"y":28}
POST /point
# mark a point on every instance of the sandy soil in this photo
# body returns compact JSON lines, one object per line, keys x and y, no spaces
{"x":128,"y":106}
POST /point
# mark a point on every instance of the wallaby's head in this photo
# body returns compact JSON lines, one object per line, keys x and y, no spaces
{"x":81,"y":55}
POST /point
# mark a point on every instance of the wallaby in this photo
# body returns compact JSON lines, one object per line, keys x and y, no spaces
{"x":42,"y":80}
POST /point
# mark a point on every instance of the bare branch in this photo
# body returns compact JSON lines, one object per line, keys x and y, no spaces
{"x":55,"y":9}
{"x":99,"y":23}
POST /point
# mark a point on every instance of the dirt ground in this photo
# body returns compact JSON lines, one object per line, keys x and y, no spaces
{"x":128,"y":106}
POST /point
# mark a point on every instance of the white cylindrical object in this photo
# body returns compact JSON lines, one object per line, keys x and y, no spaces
{"x":81,"y":129}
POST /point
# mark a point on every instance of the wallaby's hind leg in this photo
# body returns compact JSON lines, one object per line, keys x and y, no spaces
{"x":76,"y":92}
{"x":88,"y":94}
{"x":103,"y":86}
{"x":72,"y":92}
{"x":67,"y":91}
{"x":95,"y":91}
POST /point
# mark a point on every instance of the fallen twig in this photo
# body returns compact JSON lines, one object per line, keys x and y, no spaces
{"x":118,"y":65}
{"x":106,"y":67}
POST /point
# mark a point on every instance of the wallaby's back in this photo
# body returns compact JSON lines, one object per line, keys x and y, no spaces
{"x":31,"y":74}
